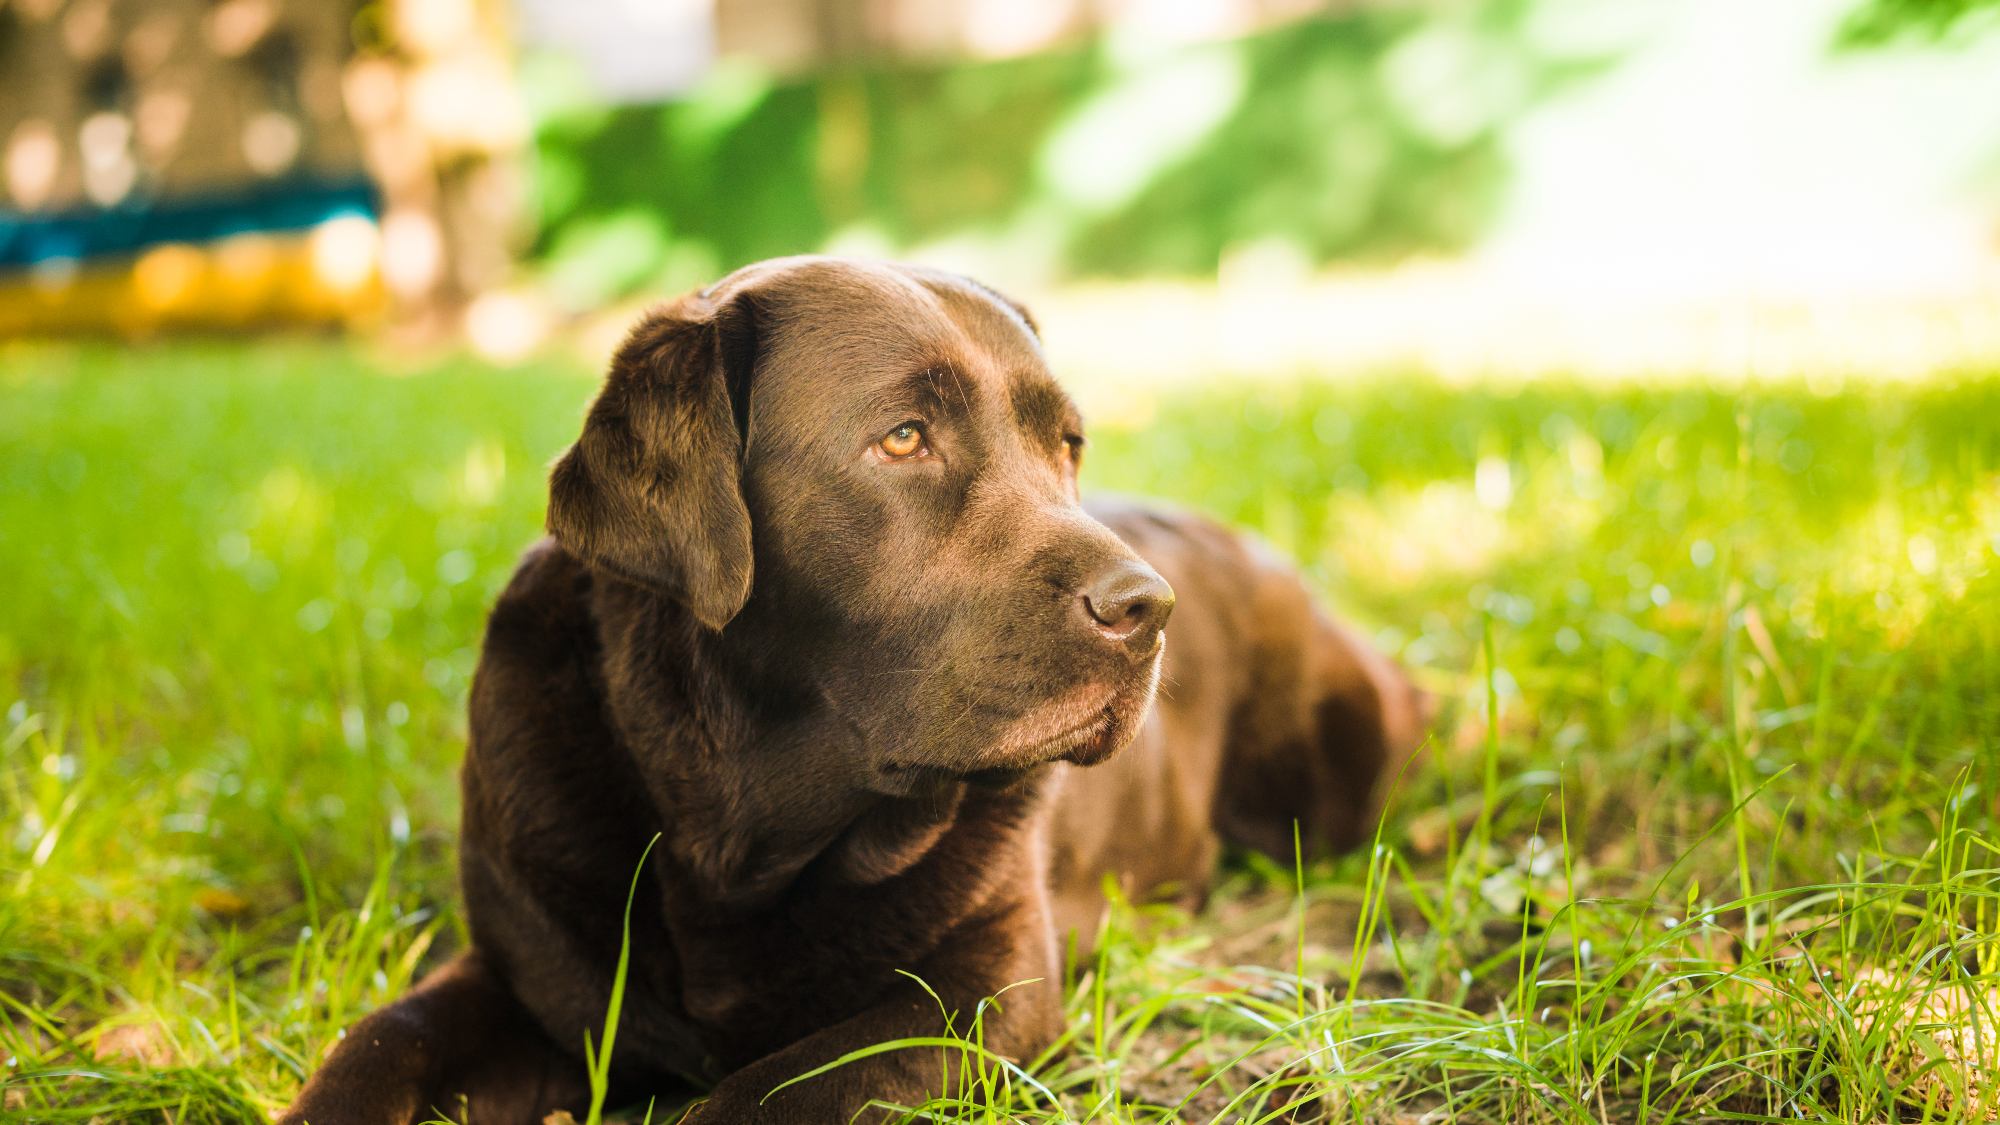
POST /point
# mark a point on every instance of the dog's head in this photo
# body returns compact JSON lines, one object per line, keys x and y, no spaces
{"x":863,"y":477}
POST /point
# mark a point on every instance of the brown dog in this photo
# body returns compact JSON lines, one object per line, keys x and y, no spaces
{"x":823,"y":610}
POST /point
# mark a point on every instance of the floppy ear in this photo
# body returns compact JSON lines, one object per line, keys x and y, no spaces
{"x":652,"y":490}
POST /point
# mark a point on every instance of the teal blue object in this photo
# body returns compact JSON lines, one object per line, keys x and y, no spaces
{"x":138,"y":223}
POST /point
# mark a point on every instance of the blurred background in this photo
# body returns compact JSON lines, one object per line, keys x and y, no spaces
{"x":1181,"y":187}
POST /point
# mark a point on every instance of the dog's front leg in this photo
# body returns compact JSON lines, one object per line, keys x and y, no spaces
{"x":1016,"y":1026}
{"x":458,"y":1046}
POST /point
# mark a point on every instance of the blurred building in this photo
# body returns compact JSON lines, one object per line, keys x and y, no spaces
{"x":202,"y":163}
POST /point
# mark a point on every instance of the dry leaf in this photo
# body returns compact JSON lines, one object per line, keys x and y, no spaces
{"x":141,"y":1042}
{"x":222,"y":904}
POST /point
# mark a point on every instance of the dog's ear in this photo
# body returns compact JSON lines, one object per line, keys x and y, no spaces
{"x":652,"y":491}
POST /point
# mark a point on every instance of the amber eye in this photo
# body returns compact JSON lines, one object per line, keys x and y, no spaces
{"x":905,"y":440}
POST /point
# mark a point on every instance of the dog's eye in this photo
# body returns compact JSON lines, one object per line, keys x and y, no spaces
{"x":906,"y":440}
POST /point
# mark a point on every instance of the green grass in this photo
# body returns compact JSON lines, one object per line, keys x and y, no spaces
{"x":1728,"y":851}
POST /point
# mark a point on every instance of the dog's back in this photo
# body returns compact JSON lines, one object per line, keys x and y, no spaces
{"x":1268,"y":713}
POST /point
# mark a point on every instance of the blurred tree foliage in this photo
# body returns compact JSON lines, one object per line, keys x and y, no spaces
{"x":1367,"y":135}
{"x":1317,"y":153}
{"x":1881,"y":21}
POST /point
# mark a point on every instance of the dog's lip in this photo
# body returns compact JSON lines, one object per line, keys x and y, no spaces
{"x":1074,"y":737}
{"x":1082,"y":724}
{"x":1040,"y":732}
{"x":1063,"y":746}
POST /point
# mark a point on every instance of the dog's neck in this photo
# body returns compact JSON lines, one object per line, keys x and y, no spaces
{"x":760,"y":782}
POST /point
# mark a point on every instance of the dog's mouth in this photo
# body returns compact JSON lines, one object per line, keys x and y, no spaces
{"x":1083,"y":726}
{"x":1056,"y":728}
{"x":1087,"y":743}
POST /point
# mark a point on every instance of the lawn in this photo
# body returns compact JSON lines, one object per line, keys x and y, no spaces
{"x":1728,"y":851}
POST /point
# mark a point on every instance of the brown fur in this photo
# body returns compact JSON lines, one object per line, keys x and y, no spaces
{"x":855,"y":698}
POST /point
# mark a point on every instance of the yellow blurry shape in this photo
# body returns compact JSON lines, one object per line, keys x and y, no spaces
{"x":166,"y":276}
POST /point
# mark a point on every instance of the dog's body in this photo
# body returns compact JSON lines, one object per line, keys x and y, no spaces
{"x":868,"y":762}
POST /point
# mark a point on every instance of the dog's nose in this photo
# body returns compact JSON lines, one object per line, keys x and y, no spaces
{"x":1128,"y":602}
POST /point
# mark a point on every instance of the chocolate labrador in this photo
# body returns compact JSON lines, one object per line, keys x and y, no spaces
{"x":821,"y":609}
